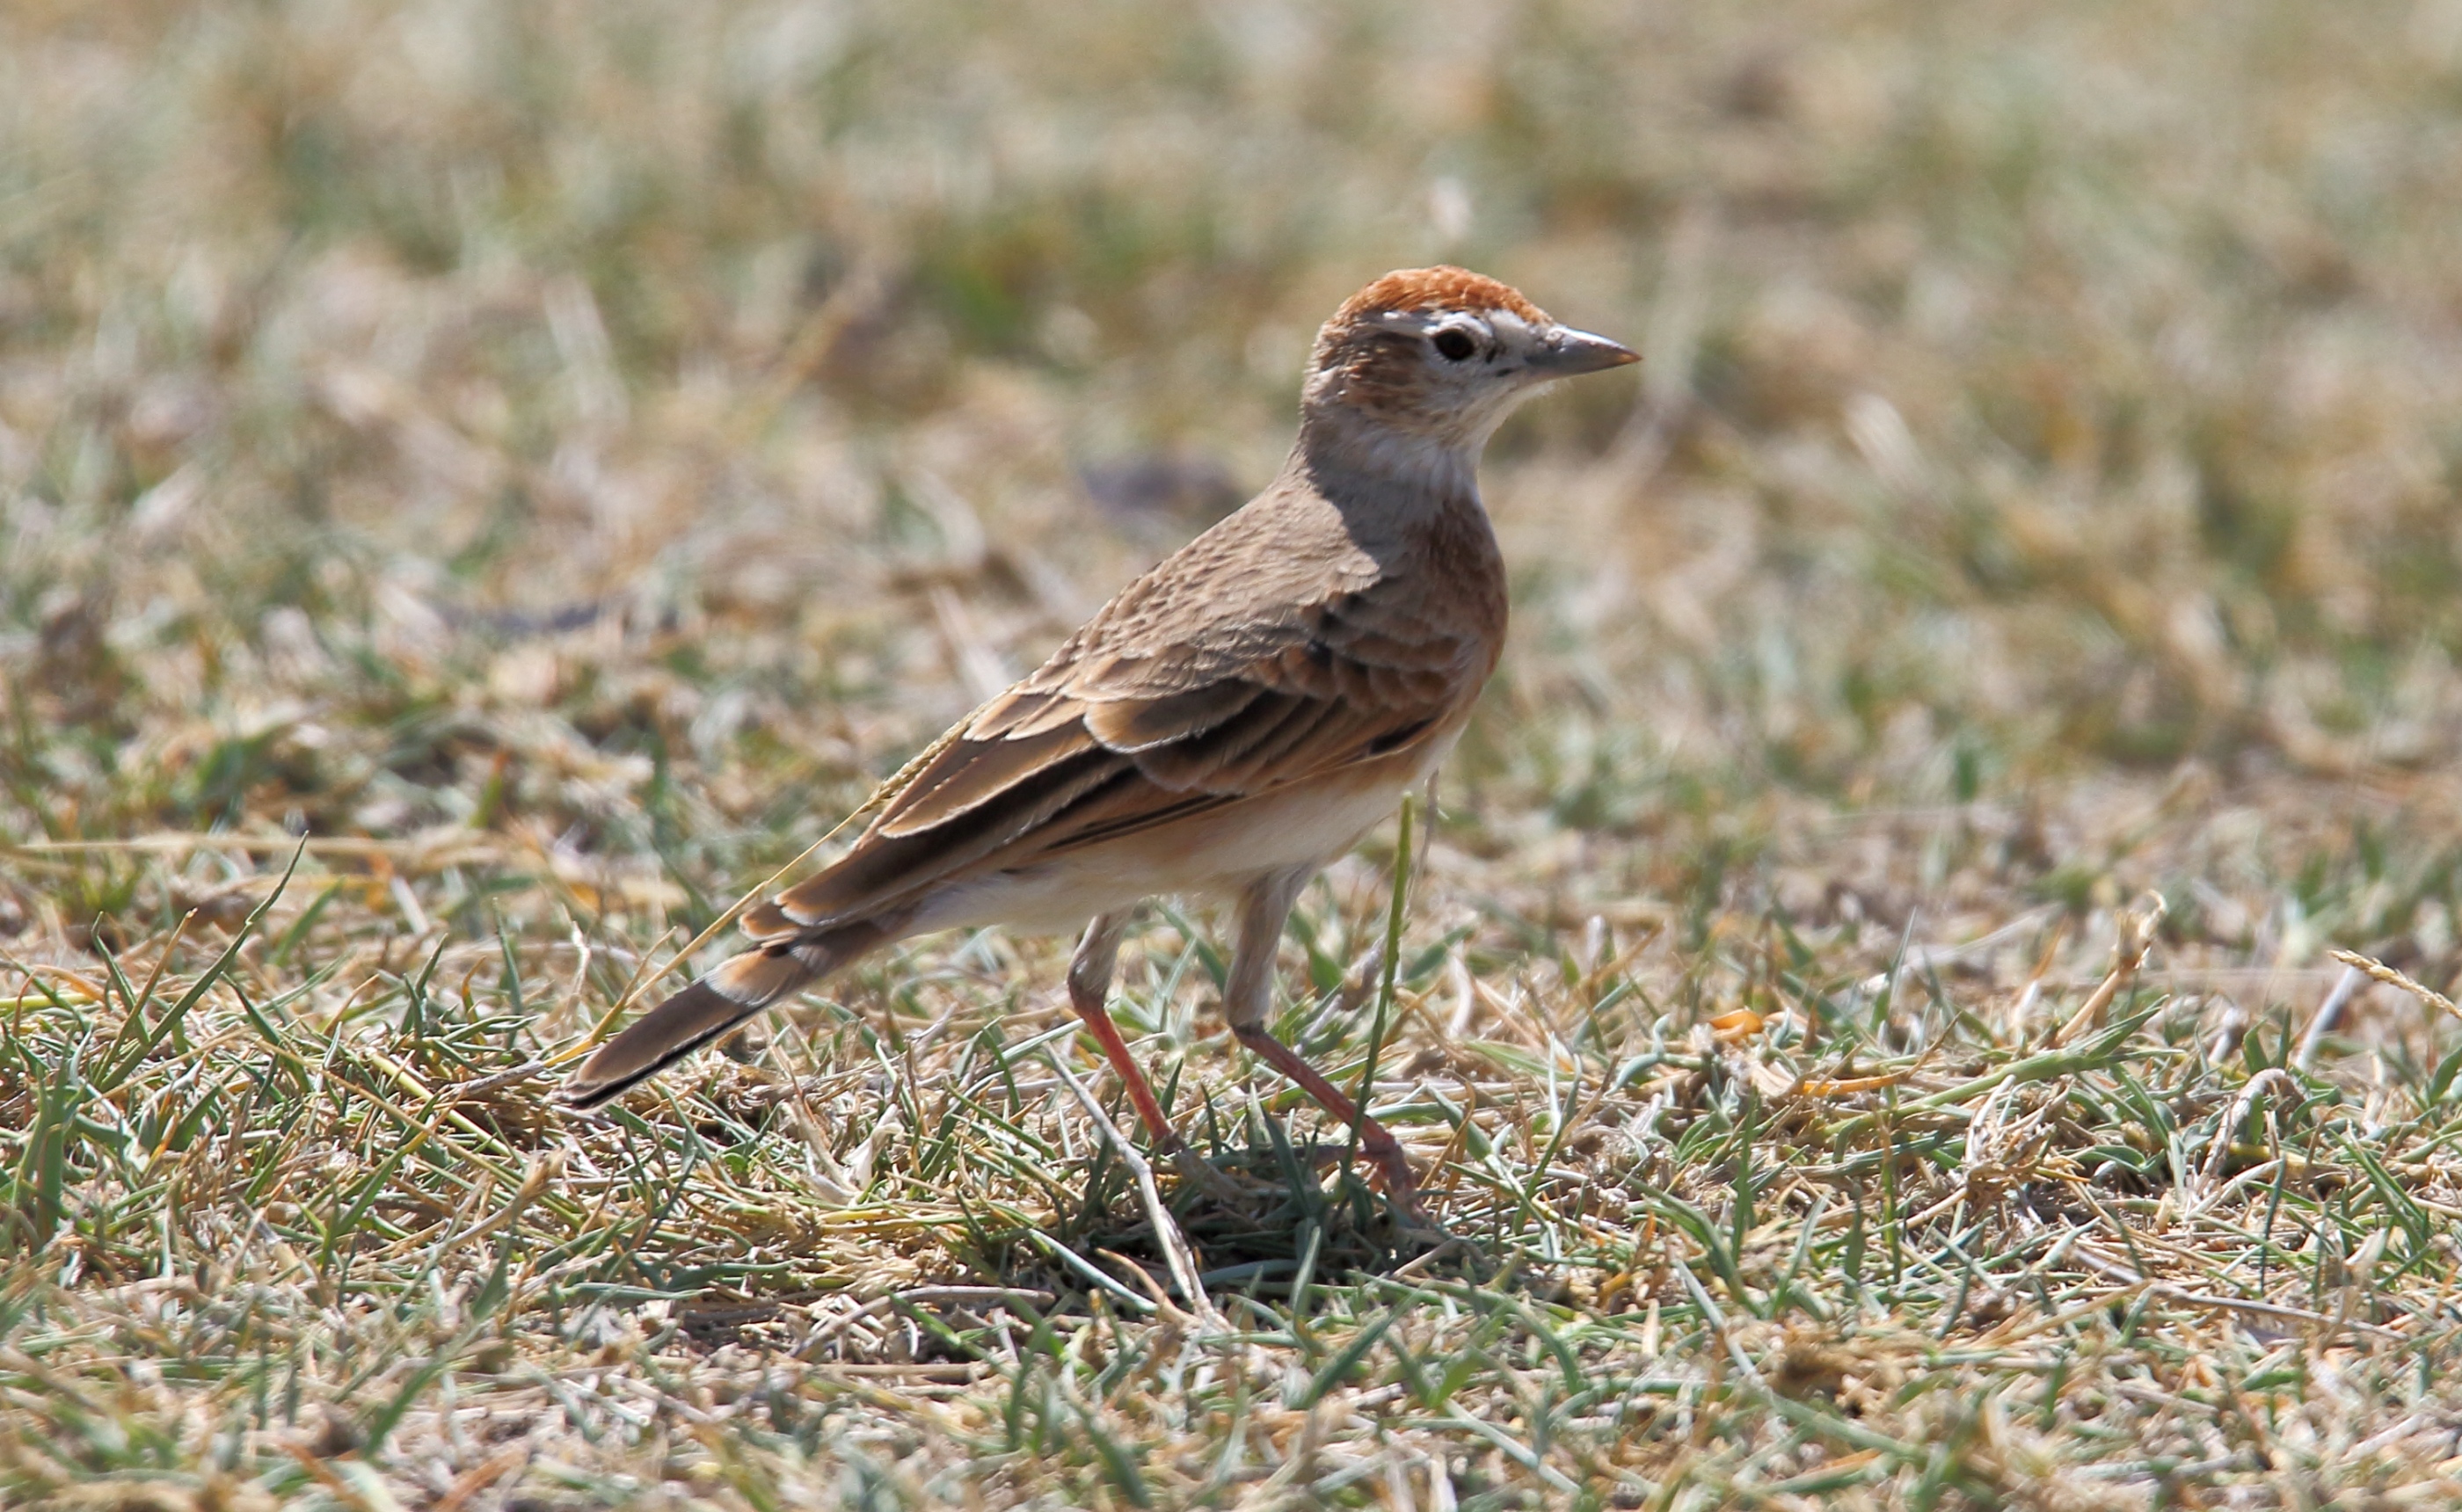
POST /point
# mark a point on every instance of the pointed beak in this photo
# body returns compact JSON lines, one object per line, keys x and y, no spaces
{"x":1568,"y":353}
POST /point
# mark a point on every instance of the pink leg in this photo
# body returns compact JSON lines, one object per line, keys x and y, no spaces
{"x":1090,"y":982}
{"x":1248,"y":997}
{"x":1375,"y":1141}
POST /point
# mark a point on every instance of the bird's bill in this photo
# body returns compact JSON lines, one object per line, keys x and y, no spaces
{"x":1568,"y":352}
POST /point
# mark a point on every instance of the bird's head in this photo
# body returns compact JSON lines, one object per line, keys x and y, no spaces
{"x":1424,"y":363}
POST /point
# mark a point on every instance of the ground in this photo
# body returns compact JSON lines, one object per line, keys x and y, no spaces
{"x":483,"y":487}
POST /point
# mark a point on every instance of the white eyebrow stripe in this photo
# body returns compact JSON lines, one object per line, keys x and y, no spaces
{"x":1512,"y":330}
{"x":1425,"y":322}
{"x":1414,"y":322}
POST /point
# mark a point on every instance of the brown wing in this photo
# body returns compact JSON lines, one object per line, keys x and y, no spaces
{"x":1110,"y":745}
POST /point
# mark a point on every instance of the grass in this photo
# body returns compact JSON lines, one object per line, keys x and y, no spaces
{"x":554,"y":460}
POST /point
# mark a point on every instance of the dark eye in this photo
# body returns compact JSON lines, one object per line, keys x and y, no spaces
{"x":1455,"y":346}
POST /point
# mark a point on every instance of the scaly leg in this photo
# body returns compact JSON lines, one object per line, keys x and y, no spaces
{"x":1090,"y":984}
{"x":1249,"y":997}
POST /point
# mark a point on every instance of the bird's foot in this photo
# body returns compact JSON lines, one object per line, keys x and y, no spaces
{"x":1388,"y":1168}
{"x":1202,"y":1174}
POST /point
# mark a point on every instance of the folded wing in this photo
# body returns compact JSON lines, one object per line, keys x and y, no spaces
{"x":1102,"y":742}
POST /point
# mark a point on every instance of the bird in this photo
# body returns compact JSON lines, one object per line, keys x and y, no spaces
{"x":1230,"y":724}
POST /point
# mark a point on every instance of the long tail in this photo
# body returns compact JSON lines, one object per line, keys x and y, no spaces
{"x":739,"y":988}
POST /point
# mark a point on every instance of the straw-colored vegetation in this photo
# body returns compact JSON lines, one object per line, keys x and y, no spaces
{"x":555,"y":457}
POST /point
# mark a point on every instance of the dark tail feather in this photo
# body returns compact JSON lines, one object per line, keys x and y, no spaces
{"x":703,"y":1012}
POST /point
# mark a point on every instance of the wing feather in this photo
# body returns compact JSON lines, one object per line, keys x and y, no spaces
{"x":885,"y":869}
{"x":1133,"y":726}
{"x":1266,"y":653}
{"x":972,"y":772}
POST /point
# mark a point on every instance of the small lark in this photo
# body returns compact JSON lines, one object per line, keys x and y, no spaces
{"x":1230,"y":724}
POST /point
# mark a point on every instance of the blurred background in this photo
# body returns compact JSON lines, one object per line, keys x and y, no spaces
{"x":560,"y":454}
{"x":633,"y":427}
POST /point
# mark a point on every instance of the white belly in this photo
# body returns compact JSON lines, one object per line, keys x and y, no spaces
{"x":1214,"y":855}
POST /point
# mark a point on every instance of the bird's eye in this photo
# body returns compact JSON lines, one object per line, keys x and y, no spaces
{"x":1455,"y":346}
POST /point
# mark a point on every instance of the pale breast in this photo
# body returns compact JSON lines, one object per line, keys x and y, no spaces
{"x":1215,"y":853}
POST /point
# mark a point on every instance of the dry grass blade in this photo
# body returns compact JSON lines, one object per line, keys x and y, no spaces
{"x":560,"y":457}
{"x":2137,"y":929}
{"x":1166,"y":1229}
{"x":2381,"y":972}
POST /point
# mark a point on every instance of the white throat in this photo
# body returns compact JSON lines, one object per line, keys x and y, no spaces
{"x":1341,"y":444}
